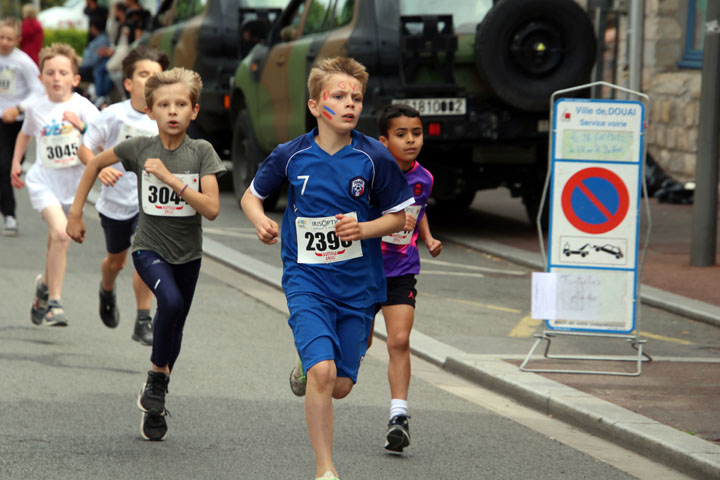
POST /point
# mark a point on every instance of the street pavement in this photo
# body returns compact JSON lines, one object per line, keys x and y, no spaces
{"x":67,"y":395}
{"x":94,"y":421}
{"x":669,"y":412}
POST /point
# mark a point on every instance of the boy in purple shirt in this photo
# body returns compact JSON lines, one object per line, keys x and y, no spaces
{"x":401,"y":131}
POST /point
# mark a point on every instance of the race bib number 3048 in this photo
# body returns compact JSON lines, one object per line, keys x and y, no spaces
{"x":403,"y":237}
{"x":159,"y":200}
{"x":319,"y":244}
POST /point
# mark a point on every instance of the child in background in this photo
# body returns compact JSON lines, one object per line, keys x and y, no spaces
{"x":118,"y":201}
{"x":177,"y":187}
{"x":52,"y":179}
{"x":18,"y":80}
{"x":31,"y":34}
{"x":401,"y":131}
{"x":332,"y":264}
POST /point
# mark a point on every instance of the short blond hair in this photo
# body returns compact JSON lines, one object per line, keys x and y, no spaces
{"x":60,"y":50}
{"x":29,"y":11}
{"x":189,"y":78}
{"x":331,"y":66}
{"x":13,"y":23}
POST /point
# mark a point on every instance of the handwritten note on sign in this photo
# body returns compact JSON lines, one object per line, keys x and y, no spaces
{"x":597,"y":145}
{"x":565,"y":296}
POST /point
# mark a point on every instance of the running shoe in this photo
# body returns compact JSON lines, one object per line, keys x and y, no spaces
{"x":55,"y":315}
{"x":298,"y":380}
{"x":109,"y":313}
{"x":10,"y":227}
{"x":40,"y":302}
{"x":143,"y":332}
{"x":151,"y":398}
{"x":328,"y":476}
{"x":153,"y":427}
{"x":398,"y":434}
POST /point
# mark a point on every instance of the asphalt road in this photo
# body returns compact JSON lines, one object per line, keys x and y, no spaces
{"x":67,"y":396}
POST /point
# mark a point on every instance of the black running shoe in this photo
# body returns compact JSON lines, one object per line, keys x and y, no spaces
{"x":109,"y":313}
{"x":40,"y":302}
{"x":398,"y":434}
{"x":143,"y":332}
{"x":153,"y":427}
{"x":151,"y":398}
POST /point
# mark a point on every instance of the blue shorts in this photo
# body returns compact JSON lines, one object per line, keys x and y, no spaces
{"x":325,"y":329}
{"x":118,"y":232}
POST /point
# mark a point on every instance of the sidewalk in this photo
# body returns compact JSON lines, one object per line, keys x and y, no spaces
{"x":669,"y":413}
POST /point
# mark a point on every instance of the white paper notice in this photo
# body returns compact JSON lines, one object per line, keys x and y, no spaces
{"x":565,"y":296}
{"x":577,"y":296}
{"x":544,"y":295}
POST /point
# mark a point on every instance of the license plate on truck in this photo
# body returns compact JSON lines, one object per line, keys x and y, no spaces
{"x":436,"y":106}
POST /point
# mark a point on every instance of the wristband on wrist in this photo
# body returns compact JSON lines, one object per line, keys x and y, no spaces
{"x":183,"y":189}
{"x":84,"y":128}
{"x":20,"y":109}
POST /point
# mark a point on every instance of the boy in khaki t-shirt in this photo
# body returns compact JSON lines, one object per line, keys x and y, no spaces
{"x":176,"y":186}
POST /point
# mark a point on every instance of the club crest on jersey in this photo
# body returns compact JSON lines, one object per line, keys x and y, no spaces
{"x":418,"y":189}
{"x":357,"y":187}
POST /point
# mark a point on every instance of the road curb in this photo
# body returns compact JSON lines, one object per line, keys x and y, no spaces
{"x":651,"y":296}
{"x":645,"y":436}
{"x":652,"y":439}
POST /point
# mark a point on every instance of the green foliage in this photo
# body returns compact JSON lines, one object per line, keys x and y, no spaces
{"x":50,"y":3}
{"x":10,"y":8}
{"x":73,"y":37}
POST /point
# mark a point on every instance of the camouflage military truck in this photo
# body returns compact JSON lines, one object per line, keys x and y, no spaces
{"x":203,"y":35}
{"x":480,"y":72}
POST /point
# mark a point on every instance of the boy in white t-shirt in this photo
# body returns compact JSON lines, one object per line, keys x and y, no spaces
{"x":54,"y":176}
{"x":18,"y":80}
{"x":118,"y":202}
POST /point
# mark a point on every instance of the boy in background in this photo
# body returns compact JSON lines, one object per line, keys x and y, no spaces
{"x":54,"y":176}
{"x":401,"y":131}
{"x":118,"y":201}
{"x":19,"y":79}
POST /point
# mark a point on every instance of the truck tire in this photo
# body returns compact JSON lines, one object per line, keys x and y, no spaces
{"x":246,"y":158}
{"x":527,"y":49}
{"x":455,"y":205}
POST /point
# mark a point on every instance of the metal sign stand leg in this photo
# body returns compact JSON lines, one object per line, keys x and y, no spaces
{"x":547,"y":336}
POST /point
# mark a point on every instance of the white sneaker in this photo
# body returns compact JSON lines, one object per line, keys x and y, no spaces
{"x":10,"y":228}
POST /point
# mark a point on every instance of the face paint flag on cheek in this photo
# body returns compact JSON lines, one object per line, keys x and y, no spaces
{"x":328,"y":115}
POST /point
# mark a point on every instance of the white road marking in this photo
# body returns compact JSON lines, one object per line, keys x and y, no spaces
{"x":432,"y":261}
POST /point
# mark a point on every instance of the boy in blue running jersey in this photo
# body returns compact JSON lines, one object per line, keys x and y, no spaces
{"x":332,"y":262}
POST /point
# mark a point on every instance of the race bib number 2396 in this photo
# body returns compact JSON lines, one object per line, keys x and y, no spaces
{"x":159,"y":200}
{"x":319,"y":244}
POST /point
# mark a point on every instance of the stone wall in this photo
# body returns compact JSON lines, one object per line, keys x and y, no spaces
{"x":674,"y":93}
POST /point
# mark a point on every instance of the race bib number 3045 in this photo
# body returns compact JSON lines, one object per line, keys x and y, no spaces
{"x":60,"y":151}
{"x":159,"y":200}
{"x":319,"y":244}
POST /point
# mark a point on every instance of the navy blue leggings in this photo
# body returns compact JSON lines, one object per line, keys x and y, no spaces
{"x":174,"y":287}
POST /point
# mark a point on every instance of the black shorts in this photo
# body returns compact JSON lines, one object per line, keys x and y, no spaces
{"x":118,"y":232}
{"x":400,"y":291}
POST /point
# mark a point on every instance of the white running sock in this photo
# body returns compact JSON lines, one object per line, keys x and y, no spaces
{"x":398,"y":407}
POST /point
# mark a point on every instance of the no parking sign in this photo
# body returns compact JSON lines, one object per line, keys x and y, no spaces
{"x":596,"y":166}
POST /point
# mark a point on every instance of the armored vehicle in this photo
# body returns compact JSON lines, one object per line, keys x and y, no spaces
{"x":480,"y":72}
{"x":203,"y":35}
